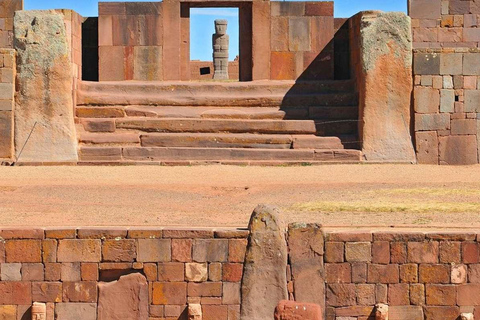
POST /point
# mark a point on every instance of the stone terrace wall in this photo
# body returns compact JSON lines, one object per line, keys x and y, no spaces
{"x":302,"y":40}
{"x":63,"y":267}
{"x":195,"y":66}
{"x":7,"y":11}
{"x":7,"y":89}
{"x":428,"y":276}
{"x":446,"y":100}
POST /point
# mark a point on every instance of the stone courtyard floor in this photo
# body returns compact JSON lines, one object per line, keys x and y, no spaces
{"x":213,"y":196}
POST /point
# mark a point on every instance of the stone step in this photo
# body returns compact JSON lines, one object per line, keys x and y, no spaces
{"x":331,"y":127}
{"x":201,"y":125}
{"x":143,"y":154}
{"x":180,"y":112}
{"x":255,"y":93}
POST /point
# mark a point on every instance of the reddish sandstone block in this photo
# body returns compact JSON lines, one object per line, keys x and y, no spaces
{"x":381,"y":252}
{"x":60,"y":233}
{"x":144,"y":234}
{"x":236,"y":250}
{"x":32,"y":272}
{"x":366,"y":294}
{"x":378,"y":273}
{"x":359,"y":272}
{"x":150,"y":270}
{"x":450,"y":252}
{"x":409,"y":273}
{"x":474,"y":273}
{"x":423,"y":252}
{"x":16,"y":233}
{"x":156,"y":311}
{"x":427,"y":147}
{"x":70,"y":250}
{"x":458,"y":150}
{"x":215,"y":250}
{"x":398,"y":294}
{"x":89,"y":271}
{"x":470,"y":252}
{"x":398,"y":252}
{"x":165,"y":293}
{"x":83,"y":291}
{"x":154,"y":250}
{"x":283,"y":66}
{"x":47,"y":291}
{"x":291,"y":310}
{"x":468,"y":295}
{"x":417,"y":294}
{"x":441,"y":295}
{"x":434,"y":273}
{"x":341,"y":295}
{"x":173,"y":311}
{"x":381,"y":293}
{"x":101,"y":233}
{"x":458,"y":273}
{"x":71,"y":272}
{"x":334,"y":252}
{"x":23,"y":250}
{"x":119,"y":250}
{"x":182,"y":250}
{"x":212,"y":312}
{"x":188,"y":233}
{"x":171,"y":272}
{"x":205,"y":289}
{"x":231,"y":293}
{"x":15,"y":293}
{"x":232,"y":272}
{"x":215,"y":272}
{"x":426,"y":100}
{"x":338,"y":272}
{"x":234,"y":312}
{"x":358,"y":251}
{"x":444,"y":313}
{"x":53,"y":271}
{"x":319,"y":8}
{"x":49,"y":253}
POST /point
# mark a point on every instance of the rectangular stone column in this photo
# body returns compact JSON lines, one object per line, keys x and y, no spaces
{"x":261,"y":40}
{"x":7,"y":88}
{"x":171,"y":40}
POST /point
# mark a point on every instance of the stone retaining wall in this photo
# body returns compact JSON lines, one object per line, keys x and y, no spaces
{"x":7,"y":11}
{"x":63,"y":268}
{"x":7,"y":89}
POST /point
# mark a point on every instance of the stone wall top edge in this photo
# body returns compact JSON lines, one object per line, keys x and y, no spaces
{"x":447,"y":50}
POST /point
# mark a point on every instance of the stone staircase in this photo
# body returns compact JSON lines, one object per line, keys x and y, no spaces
{"x":260,"y":122}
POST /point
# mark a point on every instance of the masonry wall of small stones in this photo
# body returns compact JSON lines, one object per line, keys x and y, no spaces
{"x":196,"y":72}
{"x":7,"y":89}
{"x":7,"y":10}
{"x":63,"y":267}
{"x":420,"y":276}
{"x":446,"y":100}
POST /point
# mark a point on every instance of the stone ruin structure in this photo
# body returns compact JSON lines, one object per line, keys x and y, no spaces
{"x":120,"y":88}
{"x":220,"y":44}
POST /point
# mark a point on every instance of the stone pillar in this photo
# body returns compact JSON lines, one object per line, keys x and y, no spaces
{"x":44,"y":101}
{"x":264,"y":282}
{"x":220,"y":43}
{"x":382,"y":61}
{"x":39,"y":311}
{"x":261,"y":50}
{"x":7,"y":94}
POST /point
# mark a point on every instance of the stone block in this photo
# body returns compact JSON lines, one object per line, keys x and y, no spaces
{"x":398,"y":294}
{"x":451,"y":63}
{"x":287,"y":9}
{"x":79,"y":250}
{"x":112,"y":8}
{"x":53,"y":271}
{"x":146,"y":8}
{"x":215,"y":311}
{"x":431,"y":122}
{"x":283,"y":66}
{"x":210,"y":250}
{"x":417,"y":294}
{"x":215,"y":272}
{"x":319,"y":8}
{"x":105,"y":31}
{"x":148,"y":65}
{"x":196,"y":272}
{"x":47,"y":291}
{"x":171,"y":272}
{"x":472,"y":100}
{"x":441,"y":312}
{"x":409,"y":273}
{"x":458,"y":150}
{"x":378,"y":273}
{"x":71,"y":272}
{"x":89,"y":271}
{"x":11,"y":272}
{"x":459,"y":273}
{"x":471,"y":34}
{"x":426,"y":64}
{"x":23,"y":251}
{"x":440,"y":295}
{"x":425,"y":9}
{"x":427,"y":147}
{"x":322,"y":34}
{"x":358,"y":251}
{"x":426,"y":100}
{"x":279,"y":34}
{"x":463,"y":126}
{"x":126,"y":298}
{"x":299,"y":34}
{"x":83,"y":291}
{"x":232,"y":272}
{"x":338,"y":272}
{"x":467,"y":294}
{"x":231,"y":293}
{"x":168,"y":293}
{"x":450,"y":252}
{"x":151,"y":271}
{"x":341,"y":295}
{"x":405,"y":312}
{"x":434,"y":273}
{"x":32,"y":272}
{"x":111,"y":63}
{"x":359,"y":272}
{"x":471,"y":64}
{"x":334,"y":251}
{"x":205,"y":289}
{"x":290,"y":310}
{"x":447,"y":100}
{"x":76,"y":311}
{"x":423,"y":252}
{"x":119,"y":250}
{"x":182,"y":250}
{"x":154,"y":250}
{"x":6,"y":132}
{"x":236,"y":250}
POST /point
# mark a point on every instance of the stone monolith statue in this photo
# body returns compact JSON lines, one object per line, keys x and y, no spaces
{"x":220,"y":42}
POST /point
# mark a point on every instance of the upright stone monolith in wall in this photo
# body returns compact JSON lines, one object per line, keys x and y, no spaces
{"x":44,"y":89}
{"x":220,"y":44}
{"x":264,"y":282}
{"x":385,"y":85}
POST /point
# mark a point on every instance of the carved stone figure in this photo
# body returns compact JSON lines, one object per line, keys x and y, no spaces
{"x":39,"y":311}
{"x":220,"y":40}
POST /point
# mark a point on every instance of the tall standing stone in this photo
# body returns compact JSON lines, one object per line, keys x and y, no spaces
{"x":384,"y":81}
{"x":44,"y":89}
{"x":220,"y":42}
{"x":264,"y":282}
{"x":125,"y":299}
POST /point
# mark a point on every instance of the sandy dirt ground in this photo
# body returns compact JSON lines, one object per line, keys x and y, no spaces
{"x":218,"y":196}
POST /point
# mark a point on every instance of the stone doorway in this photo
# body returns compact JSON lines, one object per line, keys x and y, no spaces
{"x":244,"y":35}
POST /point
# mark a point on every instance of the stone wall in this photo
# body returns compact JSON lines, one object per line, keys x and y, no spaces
{"x":7,"y":11}
{"x":302,"y":40}
{"x":446,"y":99}
{"x":63,"y":268}
{"x":196,"y":72}
{"x":7,"y":105}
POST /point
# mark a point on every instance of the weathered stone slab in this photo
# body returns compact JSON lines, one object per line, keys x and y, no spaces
{"x":148,"y":63}
{"x":75,"y":311}
{"x":44,"y":88}
{"x":291,"y":310}
{"x":305,"y":242}
{"x":427,"y":147}
{"x":386,"y":59}
{"x":126,"y":298}
{"x":458,"y":150}
{"x":405,"y":313}
{"x":264,"y":282}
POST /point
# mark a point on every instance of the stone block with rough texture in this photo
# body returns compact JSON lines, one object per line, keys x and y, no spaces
{"x":264,"y":282}
{"x":126,"y":298}
{"x":385,"y":86}
{"x":291,"y":310}
{"x":44,"y":89}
